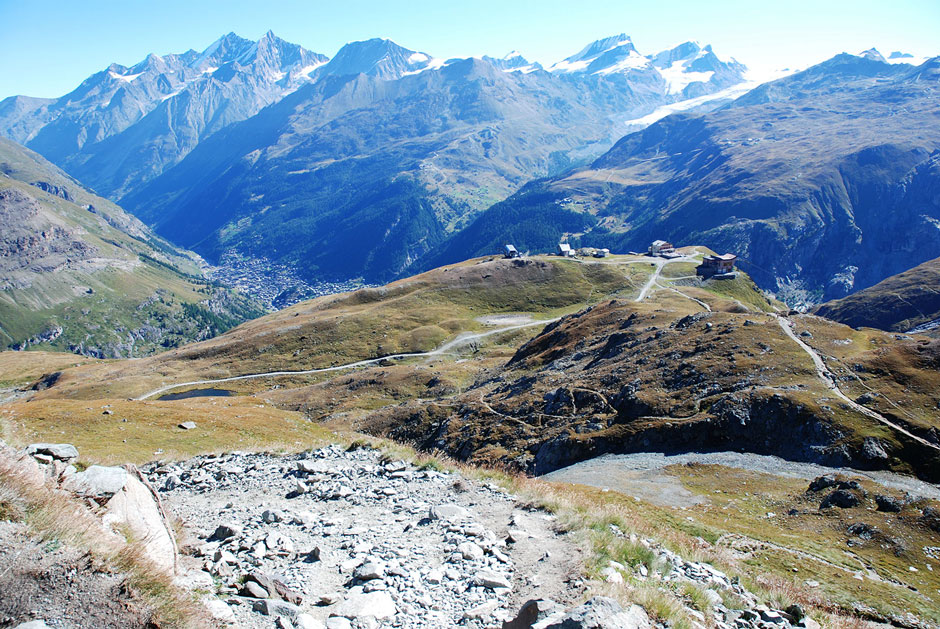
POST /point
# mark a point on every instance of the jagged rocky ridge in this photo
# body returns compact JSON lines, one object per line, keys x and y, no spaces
{"x":125,"y":125}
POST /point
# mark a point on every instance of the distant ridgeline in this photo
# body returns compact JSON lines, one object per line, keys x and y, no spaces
{"x":383,"y":161}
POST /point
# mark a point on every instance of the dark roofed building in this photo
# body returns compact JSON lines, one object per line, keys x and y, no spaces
{"x":718,"y":266}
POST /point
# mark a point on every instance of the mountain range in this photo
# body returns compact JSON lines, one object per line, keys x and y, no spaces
{"x":124,"y":125}
{"x":383,"y":146}
{"x":823,"y":183}
{"x":385,"y":160}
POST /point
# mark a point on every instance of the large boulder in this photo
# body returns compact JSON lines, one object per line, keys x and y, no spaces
{"x":97,"y":481}
{"x":842,"y":498}
{"x":136,"y":508}
{"x":58,"y":451}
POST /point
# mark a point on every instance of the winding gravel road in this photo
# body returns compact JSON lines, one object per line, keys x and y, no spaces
{"x":462,"y":339}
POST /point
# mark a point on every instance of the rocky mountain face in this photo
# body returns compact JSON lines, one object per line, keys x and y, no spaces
{"x":367,"y":167}
{"x":77,"y":273}
{"x":823,"y":182}
{"x":125,"y":125}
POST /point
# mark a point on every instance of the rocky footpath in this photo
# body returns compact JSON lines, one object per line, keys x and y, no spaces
{"x":348,"y":538}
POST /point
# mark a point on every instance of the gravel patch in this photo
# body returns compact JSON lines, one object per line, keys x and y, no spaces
{"x":642,"y":474}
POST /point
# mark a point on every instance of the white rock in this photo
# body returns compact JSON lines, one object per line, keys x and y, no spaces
{"x":492,"y":580}
{"x":306,"y":621}
{"x":370,"y":570}
{"x":481,"y":611}
{"x":447,"y":513}
{"x":220,"y":611}
{"x":98,"y":481}
{"x":134,"y":508}
{"x":470,"y":551}
{"x":360,"y":605}
{"x":612,"y":576}
{"x":60,"y":451}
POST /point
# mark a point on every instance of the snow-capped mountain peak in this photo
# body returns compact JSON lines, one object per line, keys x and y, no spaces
{"x":602,"y":55}
{"x":872,"y":54}
{"x":513,"y":62}
{"x":382,"y":58}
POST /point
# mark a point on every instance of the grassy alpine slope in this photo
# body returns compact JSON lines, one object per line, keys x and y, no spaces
{"x":78,"y":274}
{"x":693,"y":365}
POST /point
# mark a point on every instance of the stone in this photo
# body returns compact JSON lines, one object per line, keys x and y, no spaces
{"x":481,"y":611}
{"x":306,"y":621}
{"x":809,"y":623}
{"x":600,"y":612}
{"x":369,"y":570}
{"x":470,"y":551}
{"x":873,"y":450}
{"x":273,"y":607}
{"x":135,"y":509}
{"x":862,"y":530}
{"x":338,"y":622}
{"x":220,"y":611}
{"x":253,"y":590}
{"x":888,"y":504}
{"x":58,"y":451}
{"x":447,"y":513}
{"x":307,"y":467}
{"x":532,"y":612}
{"x":97,"y":481}
{"x":612,"y":575}
{"x":771,"y":616}
{"x":279,"y":544}
{"x":359,"y":604}
{"x":270,"y":517}
{"x":225,"y":531}
{"x":841,"y":498}
{"x":822,"y":482}
{"x":329,"y":599}
{"x":275,"y":587}
{"x":796,"y":612}
{"x":32,"y":624}
{"x":492,"y":580}
{"x":187,"y":425}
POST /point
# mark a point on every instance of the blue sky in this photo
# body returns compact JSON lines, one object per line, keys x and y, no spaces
{"x":48,"y":46}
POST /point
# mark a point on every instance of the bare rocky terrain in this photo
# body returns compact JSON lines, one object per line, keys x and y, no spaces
{"x":352,"y":535}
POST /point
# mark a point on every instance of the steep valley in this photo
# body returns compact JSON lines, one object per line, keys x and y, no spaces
{"x":79,"y":274}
